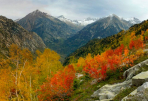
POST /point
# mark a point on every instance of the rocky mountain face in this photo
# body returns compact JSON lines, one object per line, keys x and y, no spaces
{"x":11,"y":32}
{"x":102,"y":28}
{"x":50,"y":29}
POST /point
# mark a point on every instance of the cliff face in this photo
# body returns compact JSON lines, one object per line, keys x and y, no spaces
{"x":11,"y":32}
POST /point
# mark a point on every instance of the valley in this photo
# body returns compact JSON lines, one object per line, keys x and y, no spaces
{"x":66,"y":51}
{"x":65,"y":36}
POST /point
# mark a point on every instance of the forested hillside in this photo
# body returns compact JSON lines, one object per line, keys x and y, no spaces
{"x":101,"y":28}
{"x":41,"y":78}
{"x":98,"y":46}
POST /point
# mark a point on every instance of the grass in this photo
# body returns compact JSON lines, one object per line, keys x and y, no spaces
{"x":124,"y":93}
{"x":85,"y":90}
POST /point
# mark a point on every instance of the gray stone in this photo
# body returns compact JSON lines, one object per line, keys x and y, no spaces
{"x":140,"y":94}
{"x":108,"y":92}
{"x":128,"y":74}
{"x":140,"y":79}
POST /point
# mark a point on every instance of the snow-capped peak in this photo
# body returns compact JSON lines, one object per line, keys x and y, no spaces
{"x":39,"y":13}
{"x":84,"y":22}
{"x":87,"y":21}
{"x":133,"y":20}
{"x":90,"y":20}
{"x":35,"y":12}
{"x":62,"y":18}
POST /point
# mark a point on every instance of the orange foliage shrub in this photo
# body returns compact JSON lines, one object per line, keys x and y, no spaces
{"x":59,"y":86}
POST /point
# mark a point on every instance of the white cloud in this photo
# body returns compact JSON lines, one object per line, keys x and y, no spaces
{"x":17,"y":8}
{"x":76,"y":9}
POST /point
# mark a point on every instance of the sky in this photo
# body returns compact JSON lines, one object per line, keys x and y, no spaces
{"x":76,"y":9}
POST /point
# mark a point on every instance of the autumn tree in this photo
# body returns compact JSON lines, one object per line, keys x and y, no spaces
{"x":58,"y":86}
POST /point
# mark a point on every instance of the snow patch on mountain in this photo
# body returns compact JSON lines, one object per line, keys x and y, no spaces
{"x":133,"y":20}
{"x":84,"y":22}
{"x":90,"y":20}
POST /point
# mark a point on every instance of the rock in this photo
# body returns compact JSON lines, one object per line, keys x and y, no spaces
{"x":110,"y":95}
{"x":140,"y":94}
{"x":108,"y":92}
{"x":128,"y":74}
{"x":143,"y":87}
{"x":140,"y":79}
{"x":122,"y":88}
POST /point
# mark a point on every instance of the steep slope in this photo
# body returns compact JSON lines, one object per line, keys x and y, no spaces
{"x":96,"y":46}
{"x":11,"y":32}
{"x":50,"y":29}
{"x":102,"y":28}
{"x":72,"y":23}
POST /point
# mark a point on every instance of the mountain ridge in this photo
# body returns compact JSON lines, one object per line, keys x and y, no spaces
{"x":50,"y":29}
{"x":11,"y":32}
{"x":95,"y":46}
{"x":102,"y":28}
{"x":90,"y":20}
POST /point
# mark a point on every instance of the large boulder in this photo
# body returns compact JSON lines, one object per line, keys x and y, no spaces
{"x":128,"y":74}
{"x":140,"y":79}
{"x":140,"y":94}
{"x":108,"y":92}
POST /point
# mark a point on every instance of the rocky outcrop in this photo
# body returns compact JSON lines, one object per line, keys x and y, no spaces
{"x":128,"y":74}
{"x":108,"y":92}
{"x":139,"y":79}
{"x":140,"y":94}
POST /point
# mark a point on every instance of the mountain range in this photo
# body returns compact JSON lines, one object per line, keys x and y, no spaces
{"x":103,"y":58}
{"x":84,"y":22}
{"x":97,"y":46}
{"x":65,"y":36}
{"x":50,"y":29}
{"x":90,"y":20}
{"x":101,"y":28}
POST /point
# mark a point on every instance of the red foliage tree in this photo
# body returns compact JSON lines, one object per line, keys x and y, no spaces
{"x":59,"y":86}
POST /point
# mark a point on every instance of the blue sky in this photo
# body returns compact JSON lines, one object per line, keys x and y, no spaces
{"x":76,"y":9}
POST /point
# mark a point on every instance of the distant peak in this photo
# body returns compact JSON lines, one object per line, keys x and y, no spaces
{"x":113,"y":15}
{"x":37,"y":10}
{"x":133,"y":20}
{"x":61,"y":16}
{"x":38,"y":13}
{"x":89,"y":18}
